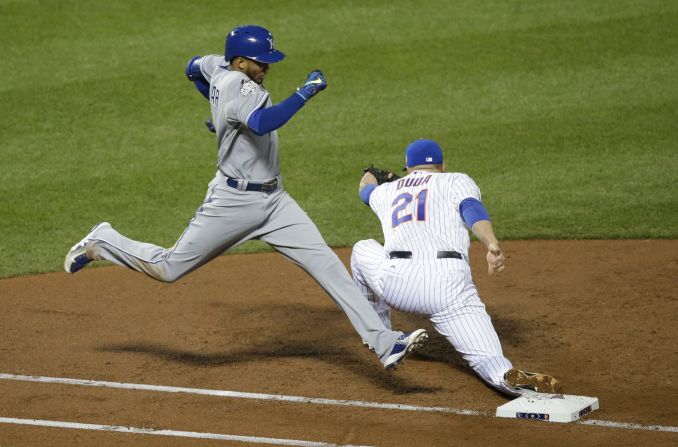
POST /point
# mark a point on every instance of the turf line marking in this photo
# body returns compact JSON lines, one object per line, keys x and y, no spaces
{"x":165,"y":432}
{"x":309,"y":400}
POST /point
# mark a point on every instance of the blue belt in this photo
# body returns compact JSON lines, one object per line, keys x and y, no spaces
{"x":266,"y":187}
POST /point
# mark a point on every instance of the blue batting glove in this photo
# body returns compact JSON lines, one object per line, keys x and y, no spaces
{"x":314,"y":83}
{"x":210,"y":125}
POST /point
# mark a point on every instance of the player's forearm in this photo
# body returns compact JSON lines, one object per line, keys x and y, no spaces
{"x":269,"y":119}
{"x":367,"y":185}
{"x":482,"y":229}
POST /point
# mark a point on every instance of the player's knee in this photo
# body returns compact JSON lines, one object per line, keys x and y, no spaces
{"x":359,"y":248}
{"x":361,"y":244}
{"x":172,"y":276}
{"x":167,"y":279}
{"x":162,"y":274}
{"x":354,"y":259}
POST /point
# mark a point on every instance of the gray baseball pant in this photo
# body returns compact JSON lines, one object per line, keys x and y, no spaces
{"x":229,"y":217}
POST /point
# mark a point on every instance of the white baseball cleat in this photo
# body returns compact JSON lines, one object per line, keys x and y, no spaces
{"x":77,"y":257}
{"x":405,"y":345}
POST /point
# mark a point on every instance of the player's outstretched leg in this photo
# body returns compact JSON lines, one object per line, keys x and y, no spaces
{"x":293,"y":234}
{"x":366,"y":258}
{"x":470,"y":331}
{"x":162,"y":264}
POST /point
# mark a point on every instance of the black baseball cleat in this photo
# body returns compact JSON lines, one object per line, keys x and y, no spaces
{"x":405,"y":345}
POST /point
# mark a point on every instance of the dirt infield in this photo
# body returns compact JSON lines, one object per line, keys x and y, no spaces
{"x":600,"y":315}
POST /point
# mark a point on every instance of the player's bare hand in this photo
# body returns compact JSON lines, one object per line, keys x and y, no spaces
{"x":495,"y":259}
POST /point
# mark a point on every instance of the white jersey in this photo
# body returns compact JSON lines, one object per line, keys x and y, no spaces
{"x":420,"y":213}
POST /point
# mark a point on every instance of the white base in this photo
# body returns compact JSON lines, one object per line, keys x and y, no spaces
{"x":548,"y":407}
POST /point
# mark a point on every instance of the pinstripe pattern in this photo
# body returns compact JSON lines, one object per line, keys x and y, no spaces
{"x":441,"y":289}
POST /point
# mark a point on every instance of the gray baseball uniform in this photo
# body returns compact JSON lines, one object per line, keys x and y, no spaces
{"x":232,"y":214}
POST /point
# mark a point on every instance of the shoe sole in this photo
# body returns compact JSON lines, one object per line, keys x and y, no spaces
{"x":417,"y":343}
{"x":537,"y":382}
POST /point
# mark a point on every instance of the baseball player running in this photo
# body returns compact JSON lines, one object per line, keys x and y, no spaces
{"x":423,"y":265}
{"x":246,"y":200}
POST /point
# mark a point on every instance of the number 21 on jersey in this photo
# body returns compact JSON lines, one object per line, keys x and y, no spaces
{"x":402,"y":212}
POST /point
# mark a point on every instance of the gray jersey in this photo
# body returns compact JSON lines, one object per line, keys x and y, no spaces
{"x":232,"y":214}
{"x":233,"y":99}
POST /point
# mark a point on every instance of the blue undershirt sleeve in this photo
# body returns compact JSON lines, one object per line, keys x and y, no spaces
{"x":194,"y":74}
{"x":366,"y":192}
{"x":472,"y":211}
{"x":271,"y":118}
{"x":203,"y":87}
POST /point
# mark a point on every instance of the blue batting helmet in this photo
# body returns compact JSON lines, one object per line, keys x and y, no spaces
{"x":252,"y":42}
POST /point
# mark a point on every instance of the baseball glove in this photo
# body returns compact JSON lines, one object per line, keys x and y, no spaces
{"x":381,"y":175}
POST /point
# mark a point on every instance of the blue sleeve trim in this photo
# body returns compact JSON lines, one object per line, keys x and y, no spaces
{"x":472,"y":211}
{"x":268,"y":119}
{"x":366,"y":192}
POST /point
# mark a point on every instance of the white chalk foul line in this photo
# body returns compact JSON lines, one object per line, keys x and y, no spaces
{"x":238,"y":394}
{"x":308,"y":400}
{"x":164,"y":432}
{"x":629,"y":425}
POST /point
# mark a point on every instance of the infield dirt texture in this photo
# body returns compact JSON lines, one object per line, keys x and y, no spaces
{"x":599,"y":315}
{"x":563,"y":112}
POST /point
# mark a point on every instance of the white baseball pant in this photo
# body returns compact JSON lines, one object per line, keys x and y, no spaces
{"x":441,"y":289}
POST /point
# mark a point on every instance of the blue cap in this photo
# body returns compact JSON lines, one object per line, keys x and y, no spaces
{"x":423,"y":152}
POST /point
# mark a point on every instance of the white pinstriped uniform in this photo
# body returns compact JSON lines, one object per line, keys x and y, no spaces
{"x":420,"y":213}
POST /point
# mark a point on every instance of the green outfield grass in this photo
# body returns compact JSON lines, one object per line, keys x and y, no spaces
{"x":565,"y":113}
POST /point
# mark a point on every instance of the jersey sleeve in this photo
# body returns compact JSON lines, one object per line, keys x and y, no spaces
{"x":463,"y":187}
{"x":245,"y":97}
{"x":376,"y":200}
{"x":209,"y":64}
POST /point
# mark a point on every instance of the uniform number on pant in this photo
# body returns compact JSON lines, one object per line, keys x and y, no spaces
{"x":401,"y":214}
